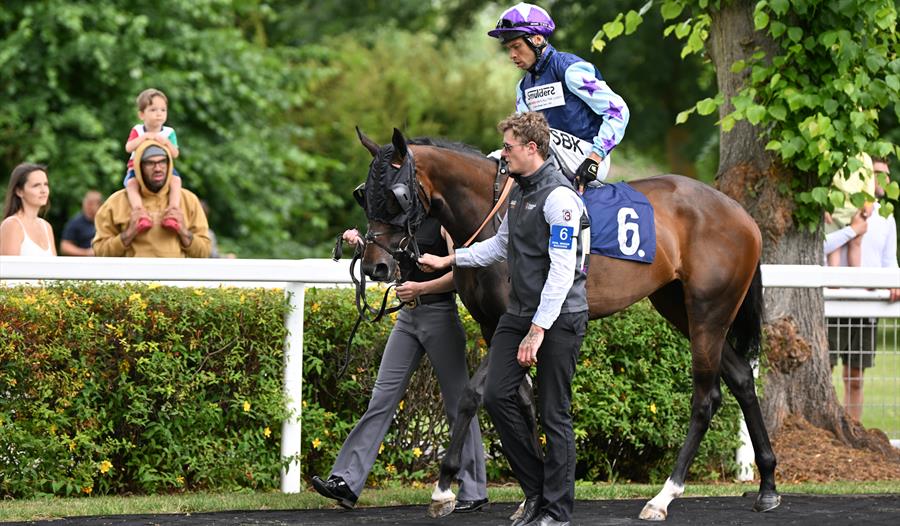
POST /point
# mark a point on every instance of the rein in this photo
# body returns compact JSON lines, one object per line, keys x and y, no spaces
{"x":498,"y":201}
{"x":363,"y":309}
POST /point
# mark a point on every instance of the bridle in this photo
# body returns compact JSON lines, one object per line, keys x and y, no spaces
{"x":406,"y":254}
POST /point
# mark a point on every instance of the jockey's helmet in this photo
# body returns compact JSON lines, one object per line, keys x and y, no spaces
{"x":523,"y":20}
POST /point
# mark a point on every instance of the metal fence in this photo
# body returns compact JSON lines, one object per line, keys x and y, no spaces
{"x":865,"y":354}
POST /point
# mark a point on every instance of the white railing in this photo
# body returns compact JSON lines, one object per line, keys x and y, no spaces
{"x":291,"y":275}
{"x":294,"y":276}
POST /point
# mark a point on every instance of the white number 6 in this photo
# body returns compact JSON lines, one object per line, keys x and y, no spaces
{"x":624,"y":228}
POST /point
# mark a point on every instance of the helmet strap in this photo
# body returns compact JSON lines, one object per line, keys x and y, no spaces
{"x":538,"y":50}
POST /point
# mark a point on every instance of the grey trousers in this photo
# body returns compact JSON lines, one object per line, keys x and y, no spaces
{"x":434,"y":330}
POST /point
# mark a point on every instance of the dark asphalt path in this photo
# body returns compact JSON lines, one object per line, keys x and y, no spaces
{"x":805,"y":510}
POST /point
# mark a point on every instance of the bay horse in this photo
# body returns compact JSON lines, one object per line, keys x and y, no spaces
{"x":705,"y":280}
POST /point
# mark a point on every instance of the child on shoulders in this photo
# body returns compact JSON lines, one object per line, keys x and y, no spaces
{"x":152,"y":107}
{"x":861,"y":180}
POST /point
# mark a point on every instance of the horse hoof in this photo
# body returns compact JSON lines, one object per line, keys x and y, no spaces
{"x":652,"y":513}
{"x":441,"y":508}
{"x":766,"y":503}
{"x":519,"y":513}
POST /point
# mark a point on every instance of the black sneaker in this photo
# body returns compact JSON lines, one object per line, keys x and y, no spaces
{"x":335,"y":488}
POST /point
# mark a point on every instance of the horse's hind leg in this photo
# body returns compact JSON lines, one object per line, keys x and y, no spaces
{"x":443,"y":501}
{"x":738,"y":376}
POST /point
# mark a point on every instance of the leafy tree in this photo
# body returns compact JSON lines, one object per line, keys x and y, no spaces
{"x":71,"y":73}
{"x":646,"y":69}
{"x":802,"y":84}
{"x":417,"y":82}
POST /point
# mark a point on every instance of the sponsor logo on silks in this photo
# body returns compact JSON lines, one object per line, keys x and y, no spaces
{"x":561,"y":236}
{"x":546,"y":96}
{"x":567,"y":215}
{"x":567,"y":141}
{"x":530,"y":206}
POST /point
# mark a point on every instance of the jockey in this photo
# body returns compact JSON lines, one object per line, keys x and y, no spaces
{"x":587,"y":119}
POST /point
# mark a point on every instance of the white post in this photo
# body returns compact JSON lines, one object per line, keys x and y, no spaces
{"x":293,"y":388}
{"x":744,"y":456}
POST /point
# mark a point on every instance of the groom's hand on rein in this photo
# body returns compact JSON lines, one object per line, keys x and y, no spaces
{"x":352,"y":236}
{"x":432,"y":263}
{"x":409,"y":290}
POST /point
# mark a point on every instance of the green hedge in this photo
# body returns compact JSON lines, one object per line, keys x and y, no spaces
{"x":139,"y":389}
{"x":631,"y":402}
{"x":147,"y":389}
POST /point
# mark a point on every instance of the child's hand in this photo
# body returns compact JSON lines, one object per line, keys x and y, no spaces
{"x":858,"y":223}
{"x":867,"y":209}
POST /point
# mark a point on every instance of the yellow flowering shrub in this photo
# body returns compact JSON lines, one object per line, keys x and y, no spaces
{"x":109,"y":388}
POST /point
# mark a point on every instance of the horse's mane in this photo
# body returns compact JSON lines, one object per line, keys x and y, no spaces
{"x":447,"y":145}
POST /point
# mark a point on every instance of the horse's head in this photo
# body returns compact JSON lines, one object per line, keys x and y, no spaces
{"x":393,"y":210}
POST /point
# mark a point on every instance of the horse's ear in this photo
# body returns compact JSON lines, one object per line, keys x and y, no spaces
{"x":399,"y":142}
{"x":367,"y":142}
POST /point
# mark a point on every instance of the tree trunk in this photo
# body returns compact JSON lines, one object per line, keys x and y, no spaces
{"x":797,"y":372}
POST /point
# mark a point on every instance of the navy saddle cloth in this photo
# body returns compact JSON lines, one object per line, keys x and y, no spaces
{"x":622,"y":224}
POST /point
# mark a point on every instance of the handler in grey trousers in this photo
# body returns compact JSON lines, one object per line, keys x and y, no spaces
{"x":547,"y":317}
{"x":432,"y":328}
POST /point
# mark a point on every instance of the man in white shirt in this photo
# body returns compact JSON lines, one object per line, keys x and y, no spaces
{"x":546,"y":317}
{"x":854,"y":338}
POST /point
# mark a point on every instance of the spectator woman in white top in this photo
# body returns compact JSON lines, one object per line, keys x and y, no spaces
{"x":22,"y":232}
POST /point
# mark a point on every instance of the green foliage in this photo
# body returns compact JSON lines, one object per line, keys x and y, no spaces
{"x":819,"y":96}
{"x":459,"y":89}
{"x":72,"y":71}
{"x":633,"y":398}
{"x":111,"y":389}
{"x":647,"y":71}
{"x":266,"y":128}
{"x":139,"y":389}
{"x":631,"y":405}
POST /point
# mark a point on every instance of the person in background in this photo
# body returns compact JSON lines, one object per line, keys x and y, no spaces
{"x":23,"y":232}
{"x":862,"y":180}
{"x":79,"y":230}
{"x":853,"y":339}
{"x":116,"y":222}
{"x":153,"y":110}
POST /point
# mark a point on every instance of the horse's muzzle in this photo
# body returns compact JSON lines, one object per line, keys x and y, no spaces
{"x":379,"y":271}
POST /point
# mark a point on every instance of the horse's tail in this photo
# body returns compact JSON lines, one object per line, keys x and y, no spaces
{"x":746,"y":331}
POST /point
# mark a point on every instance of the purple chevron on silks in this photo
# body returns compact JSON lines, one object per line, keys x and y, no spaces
{"x":589,"y":85}
{"x":614,"y":111}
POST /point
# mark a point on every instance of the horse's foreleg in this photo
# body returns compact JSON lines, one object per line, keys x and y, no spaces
{"x":704,"y":402}
{"x":738,"y":376}
{"x":443,"y":500}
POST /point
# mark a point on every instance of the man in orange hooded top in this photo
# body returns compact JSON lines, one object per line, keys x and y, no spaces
{"x":117,"y":233}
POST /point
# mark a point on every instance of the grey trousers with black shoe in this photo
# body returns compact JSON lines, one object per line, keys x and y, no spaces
{"x":433,"y":330}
